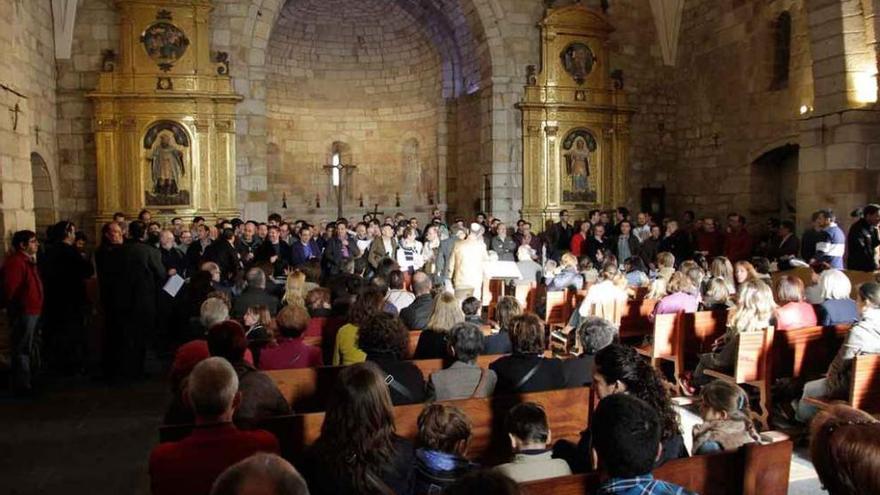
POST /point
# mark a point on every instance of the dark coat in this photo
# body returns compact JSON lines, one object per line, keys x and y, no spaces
{"x":511,"y":371}
{"x":253,"y":296}
{"x":416,"y":315}
{"x":861,"y":243}
{"x":406,"y":384}
{"x":593,"y":246}
{"x":174,"y":259}
{"x":635,"y":247}
{"x":578,"y":370}
{"x":143,"y":276}
{"x":498,"y":343}
{"x":334,"y":258}
{"x":679,"y":244}
{"x":267,"y":250}
{"x":64,"y":272}
{"x":226,"y":257}
{"x":194,"y":255}
{"x":578,"y":455}
{"x":432,"y":345}
{"x":789,"y":247}
{"x":298,"y":256}
{"x":325,"y":478}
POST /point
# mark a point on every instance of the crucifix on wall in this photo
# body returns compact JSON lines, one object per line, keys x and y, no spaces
{"x":337,"y":171}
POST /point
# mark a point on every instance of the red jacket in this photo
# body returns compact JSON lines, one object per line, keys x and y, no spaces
{"x":290,"y":354}
{"x":190,"y":466}
{"x":738,"y":246}
{"x":22,"y":287}
{"x":711,"y":242}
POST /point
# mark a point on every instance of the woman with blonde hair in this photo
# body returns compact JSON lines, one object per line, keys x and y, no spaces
{"x":721,"y":267}
{"x":568,"y":275}
{"x":432,"y":341}
{"x":716,"y":295}
{"x":294,"y":289}
{"x":754,"y":310}
{"x":680,"y":298}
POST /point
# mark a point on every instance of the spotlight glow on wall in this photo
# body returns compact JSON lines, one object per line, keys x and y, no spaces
{"x":865,"y":87}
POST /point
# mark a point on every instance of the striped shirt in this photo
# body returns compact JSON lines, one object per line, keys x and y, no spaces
{"x":831,"y":246}
{"x":640,"y":485}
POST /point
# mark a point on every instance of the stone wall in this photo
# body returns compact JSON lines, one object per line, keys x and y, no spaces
{"x":27,"y":66}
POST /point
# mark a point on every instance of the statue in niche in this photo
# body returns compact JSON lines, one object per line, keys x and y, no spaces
{"x":578,"y":59}
{"x":577,"y":150}
{"x":411,"y":167}
{"x":168,"y":145}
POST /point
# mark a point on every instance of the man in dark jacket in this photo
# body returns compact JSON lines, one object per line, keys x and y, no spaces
{"x":108,"y":265}
{"x":196,"y":250}
{"x":416,"y":315}
{"x":862,"y":241}
{"x":341,"y":248}
{"x":560,"y":234}
{"x":305,"y":248}
{"x":23,"y":293}
{"x":274,"y":251}
{"x":254,"y":294}
{"x":626,"y":244}
{"x":137,"y":298}
{"x":222,"y":251}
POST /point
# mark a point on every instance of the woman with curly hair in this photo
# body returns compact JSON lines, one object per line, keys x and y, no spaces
{"x":358,"y":451}
{"x":346,"y":350}
{"x":384,"y":339}
{"x":619,"y":369}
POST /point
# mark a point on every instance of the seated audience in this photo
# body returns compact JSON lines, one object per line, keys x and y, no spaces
{"x":397,"y":295}
{"x":743,"y":272}
{"x":619,"y":369}
{"x":261,"y":474}
{"x":295,"y":289}
{"x":863,"y":338}
{"x":190,"y":466}
{"x":530,"y":436}
{"x":593,"y":335}
{"x":505,"y":310}
{"x":463,"y":379}
{"x":432,"y":341}
{"x":528,"y":268}
{"x":567,"y":276}
{"x":358,"y":451}
{"x":471,"y":307}
{"x":836,"y":307}
{"x":845,"y":450}
{"x":628,"y":441}
{"x":727,"y":423}
{"x":754,"y":309}
{"x":679,"y":299}
{"x":636,"y":273}
{"x":416,"y":315}
{"x":483,"y":482}
{"x":346,"y":350}
{"x":716,"y":296}
{"x":444,"y":433}
{"x":793,"y":311}
{"x":527,"y":370}
{"x":257,"y":320}
{"x":722,"y":268}
{"x":213,"y":311}
{"x":289,"y":350}
{"x":665,"y":266}
{"x":384,"y":340}
{"x":255,"y":293}
{"x":813,"y":292}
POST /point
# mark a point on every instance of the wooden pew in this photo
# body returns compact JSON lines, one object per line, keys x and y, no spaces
{"x":753,"y":367}
{"x":806,"y":352}
{"x":634,"y":321}
{"x":567,"y":413}
{"x":864,"y":385}
{"x":666,"y":343}
{"x":752,"y":470}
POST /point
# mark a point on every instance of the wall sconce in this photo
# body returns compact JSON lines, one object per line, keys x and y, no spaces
{"x":317,"y":200}
{"x":397,"y":200}
{"x":284,"y":200}
{"x":805,"y":109}
{"x":361,"y":201}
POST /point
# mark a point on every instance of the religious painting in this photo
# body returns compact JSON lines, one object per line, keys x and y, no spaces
{"x":578,"y":59}
{"x":165,"y":43}
{"x":578,"y":149}
{"x":167,"y":148}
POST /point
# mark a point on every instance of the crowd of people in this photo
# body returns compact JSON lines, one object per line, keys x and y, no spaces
{"x":225,"y":302}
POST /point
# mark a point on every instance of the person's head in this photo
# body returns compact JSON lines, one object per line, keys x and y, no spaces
{"x":483,"y":481}
{"x":845,"y":450}
{"x":257,"y":314}
{"x":506,"y":309}
{"x":679,"y":282}
{"x":625,"y":227}
{"x":166,"y":239}
{"x":341,"y":230}
{"x":137,"y":230}
{"x":212,"y":312}
{"x":444,"y":428}
{"x":596,"y":334}
{"x":834,"y":284}
{"x":635,"y":264}
{"x":709,"y":224}
{"x":292,"y":321}
{"x":111,"y":233}
{"x":476,"y":231}
{"x":722,"y":400}
{"x":471,"y":306}
{"x":212,"y":390}
{"x":119,"y":217}
{"x":665,"y":260}
{"x":786,"y":227}
{"x":716,"y":292}
{"x":655,"y":232}
{"x":395,"y":280}
{"x":260,"y":474}
{"x":370,"y":300}
{"x":528,"y":427}
{"x":227,"y":340}
{"x":744,"y":271}
{"x":466,"y":341}
{"x":789,"y":289}
{"x":871,"y":214}
{"x":186,"y":237}
{"x":563,"y":215}
{"x":447,"y":312}
{"x":599,"y":230}
{"x":869,"y":295}
{"x":262,"y":230}
{"x":671,"y":227}
{"x":526,"y":334}
{"x":824,"y":218}
{"x":26,"y":242}
{"x":735,"y":222}
{"x":524,"y":252}
{"x":256,"y":278}
{"x":318,"y":298}
{"x":619,"y":369}
{"x":569,"y":261}
{"x":754,"y":307}
{"x":626,"y":436}
{"x":145,"y":216}
{"x":421,"y":283}
{"x":305,"y":234}
{"x":383,"y":333}
{"x":761,"y":265}
{"x":249,"y":230}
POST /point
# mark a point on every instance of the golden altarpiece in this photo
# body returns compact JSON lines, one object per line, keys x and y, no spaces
{"x":165,"y":115}
{"x":575,"y":122}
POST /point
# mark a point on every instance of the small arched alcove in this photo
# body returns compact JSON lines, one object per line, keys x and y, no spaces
{"x":774,"y":183}
{"x":44,"y":198}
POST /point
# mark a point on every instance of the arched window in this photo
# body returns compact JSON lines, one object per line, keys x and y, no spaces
{"x":782,"y":51}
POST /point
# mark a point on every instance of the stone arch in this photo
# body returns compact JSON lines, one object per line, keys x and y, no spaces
{"x":44,"y":194}
{"x":773,"y":184}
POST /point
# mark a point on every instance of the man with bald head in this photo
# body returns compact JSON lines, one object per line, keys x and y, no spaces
{"x":261,"y":474}
{"x":191,"y":465}
{"x":416,"y":315}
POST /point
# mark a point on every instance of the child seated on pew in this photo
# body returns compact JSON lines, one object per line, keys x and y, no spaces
{"x":442,"y":441}
{"x":626,"y":442}
{"x":471,"y":308}
{"x":530,"y":436}
{"x":724,"y":407}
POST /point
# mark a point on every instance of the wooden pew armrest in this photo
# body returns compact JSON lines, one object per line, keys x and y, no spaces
{"x":820,"y":402}
{"x":718,"y":374}
{"x":774,"y":436}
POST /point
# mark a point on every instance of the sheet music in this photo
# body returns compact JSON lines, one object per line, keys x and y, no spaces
{"x":173,"y":285}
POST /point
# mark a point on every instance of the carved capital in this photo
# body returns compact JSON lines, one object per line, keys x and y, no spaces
{"x":129,"y":124}
{"x":551,"y":130}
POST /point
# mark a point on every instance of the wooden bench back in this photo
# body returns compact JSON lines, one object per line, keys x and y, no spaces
{"x":806,"y":352}
{"x":557,"y":310}
{"x":752,"y":470}
{"x":526,"y":295}
{"x":567,"y":414}
{"x":634,"y":320}
{"x":665,"y":337}
{"x":864,"y":391}
{"x":753,"y":351}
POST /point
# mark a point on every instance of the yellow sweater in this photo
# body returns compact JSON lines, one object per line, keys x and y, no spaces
{"x":345,"y":349}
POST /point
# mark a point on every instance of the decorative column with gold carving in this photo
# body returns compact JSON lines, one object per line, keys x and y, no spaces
{"x":575,"y":122}
{"x":165,"y":115}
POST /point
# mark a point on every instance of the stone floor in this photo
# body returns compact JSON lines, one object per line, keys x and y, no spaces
{"x":82,"y":437}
